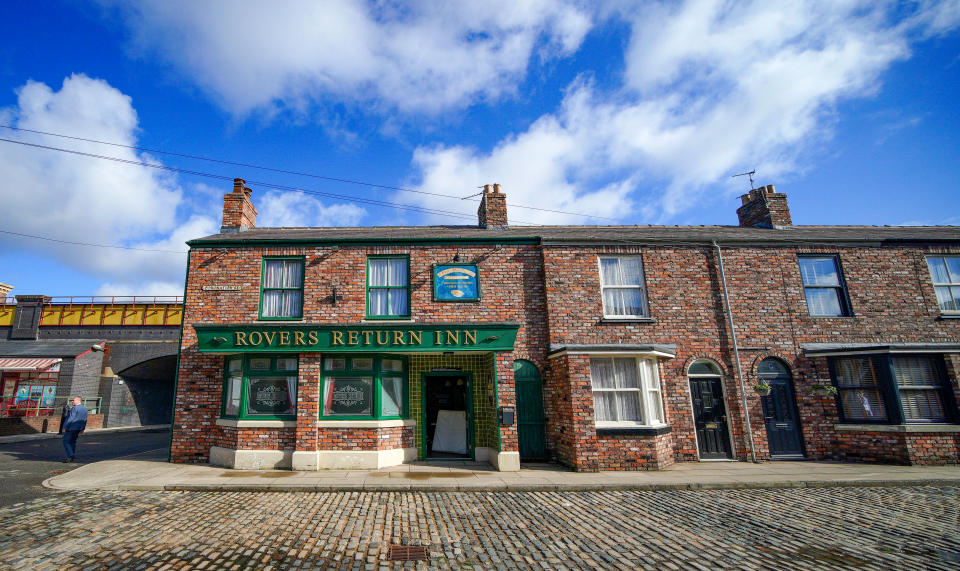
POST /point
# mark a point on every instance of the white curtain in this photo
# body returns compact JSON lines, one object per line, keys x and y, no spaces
{"x":616,"y":389}
{"x":282,"y":302}
{"x":383,"y":273}
{"x":622,"y":280}
{"x":391,"y":400}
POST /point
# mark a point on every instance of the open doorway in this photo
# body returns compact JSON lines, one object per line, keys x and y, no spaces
{"x":448,"y":414}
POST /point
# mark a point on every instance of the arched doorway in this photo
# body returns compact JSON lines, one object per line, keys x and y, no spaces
{"x":530,"y":422}
{"x":780,"y":411}
{"x":709,"y":410}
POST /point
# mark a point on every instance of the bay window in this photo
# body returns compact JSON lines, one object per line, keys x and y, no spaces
{"x":893,"y":389}
{"x":626,"y":392}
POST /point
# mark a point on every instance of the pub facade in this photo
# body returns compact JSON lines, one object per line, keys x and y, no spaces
{"x":603,"y":348}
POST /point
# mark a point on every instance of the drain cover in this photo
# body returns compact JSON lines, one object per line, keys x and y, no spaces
{"x":408,"y":553}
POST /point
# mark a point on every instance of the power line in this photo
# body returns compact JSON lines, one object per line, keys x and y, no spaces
{"x":89,"y":244}
{"x":284,"y":171}
{"x":257,"y":183}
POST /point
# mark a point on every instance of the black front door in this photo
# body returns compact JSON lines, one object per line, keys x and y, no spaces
{"x":780,"y":414}
{"x":710,"y":417}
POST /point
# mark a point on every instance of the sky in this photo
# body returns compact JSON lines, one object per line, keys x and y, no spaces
{"x":390,"y":113}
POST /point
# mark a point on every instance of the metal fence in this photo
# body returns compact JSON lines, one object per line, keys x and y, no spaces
{"x":12,"y":408}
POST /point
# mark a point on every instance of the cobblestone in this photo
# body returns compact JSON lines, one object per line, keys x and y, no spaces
{"x":822,"y":528}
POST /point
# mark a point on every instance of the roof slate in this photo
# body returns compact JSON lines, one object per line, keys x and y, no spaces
{"x":589,"y":234}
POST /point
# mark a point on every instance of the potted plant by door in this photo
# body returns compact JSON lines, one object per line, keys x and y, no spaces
{"x":823,"y":390}
{"x":762,"y":388}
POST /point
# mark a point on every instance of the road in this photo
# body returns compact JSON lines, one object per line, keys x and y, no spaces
{"x":24,"y":465}
{"x":796,"y":528}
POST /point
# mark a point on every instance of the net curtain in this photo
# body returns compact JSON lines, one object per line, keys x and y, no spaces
{"x":388,"y":273}
{"x":282,"y":302}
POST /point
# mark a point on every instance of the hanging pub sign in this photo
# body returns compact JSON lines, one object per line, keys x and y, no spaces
{"x":455,"y":282}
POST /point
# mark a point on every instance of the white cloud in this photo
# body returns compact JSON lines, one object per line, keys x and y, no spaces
{"x":710,"y":88}
{"x":292,"y":209}
{"x":82,"y":199}
{"x":421,"y":56}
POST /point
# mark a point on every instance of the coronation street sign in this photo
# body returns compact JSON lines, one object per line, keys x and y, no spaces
{"x":271,"y":338}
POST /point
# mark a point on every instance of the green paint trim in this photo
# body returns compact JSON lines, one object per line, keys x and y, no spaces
{"x":376,"y":374}
{"x":203,"y":243}
{"x":381,"y":337}
{"x":468,"y":375}
{"x":263,"y":277}
{"x":246,"y":376}
{"x":176,"y":378}
{"x":496,"y":402}
{"x":367,"y":287}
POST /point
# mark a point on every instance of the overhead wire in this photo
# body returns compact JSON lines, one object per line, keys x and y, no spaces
{"x":264,"y":184}
{"x":292,"y":172}
{"x":90,"y":244}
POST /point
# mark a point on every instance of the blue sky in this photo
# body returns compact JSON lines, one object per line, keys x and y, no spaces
{"x":629,"y":112}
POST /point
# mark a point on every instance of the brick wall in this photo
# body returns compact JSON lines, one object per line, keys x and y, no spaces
{"x":511,"y":281}
{"x":35,"y":424}
{"x":890,"y":291}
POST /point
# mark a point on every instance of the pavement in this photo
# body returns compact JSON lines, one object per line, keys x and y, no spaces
{"x":143,"y":474}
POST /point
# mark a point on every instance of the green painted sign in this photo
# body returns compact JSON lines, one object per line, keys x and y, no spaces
{"x":280,"y":338}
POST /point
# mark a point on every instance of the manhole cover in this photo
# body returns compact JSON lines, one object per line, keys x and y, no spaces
{"x":408,"y":553}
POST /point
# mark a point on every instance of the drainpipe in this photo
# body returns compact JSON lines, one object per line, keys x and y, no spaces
{"x":736,"y":354}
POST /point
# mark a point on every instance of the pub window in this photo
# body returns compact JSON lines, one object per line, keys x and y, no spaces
{"x":388,"y":287}
{"x":622,"y":287}
{"x":626,"y":392}
{"x":945,"y":273}
{"x":823,"y":286}
{"x":895,"y":389}
{"x":261,"y":387}
{"x":281,"y":288}
{"x":365,"y":388}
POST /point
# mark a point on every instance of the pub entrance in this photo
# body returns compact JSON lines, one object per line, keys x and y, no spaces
{"x":448,"y":414}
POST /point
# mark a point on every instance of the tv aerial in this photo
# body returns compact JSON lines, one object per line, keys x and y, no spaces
{"x":747,"y":174}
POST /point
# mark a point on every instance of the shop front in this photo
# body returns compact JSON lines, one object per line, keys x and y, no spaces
{"x":360,"y":396}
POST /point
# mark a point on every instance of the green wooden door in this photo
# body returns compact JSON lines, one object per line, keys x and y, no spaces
{"x":530,"y":422}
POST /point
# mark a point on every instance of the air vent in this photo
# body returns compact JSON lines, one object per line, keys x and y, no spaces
{"x":408,"y":553}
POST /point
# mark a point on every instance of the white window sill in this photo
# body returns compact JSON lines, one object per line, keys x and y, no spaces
{"x":256,"y":423}
{"x":897,"y":427}
{"x":394,"y":423}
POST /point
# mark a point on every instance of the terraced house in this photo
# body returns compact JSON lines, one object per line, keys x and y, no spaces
{"x":602,"y":347}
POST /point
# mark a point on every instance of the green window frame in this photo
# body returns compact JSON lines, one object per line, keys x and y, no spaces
{"x":260,"y":387}
{"x":364,"y":387}
{"x":281,"y":292}
{"x":389,"y":300}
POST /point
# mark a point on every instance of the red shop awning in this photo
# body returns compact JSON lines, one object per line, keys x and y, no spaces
{"x":29,"y":364}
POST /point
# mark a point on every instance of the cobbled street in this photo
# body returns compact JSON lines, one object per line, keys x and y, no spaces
{"x":819,"y":528}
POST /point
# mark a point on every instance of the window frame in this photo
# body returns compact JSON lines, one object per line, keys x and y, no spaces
{"x":377,"y":373}
{"x":949,"y":284}
{"x":247,"y":374}
{"x":890,"y":389}
{"x":642,"y":286}
{"x":644,"y":391}
{"x":264,"y":289}
{"x":368,"y":287}
{"x":843,"y":296}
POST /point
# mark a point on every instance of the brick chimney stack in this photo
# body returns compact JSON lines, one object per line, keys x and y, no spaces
{"x":493,"y":207}
{"x":239,"y":213}
{"x":764,"y":207}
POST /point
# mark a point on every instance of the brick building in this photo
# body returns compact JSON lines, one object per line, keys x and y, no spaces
{"x":604,"y":347}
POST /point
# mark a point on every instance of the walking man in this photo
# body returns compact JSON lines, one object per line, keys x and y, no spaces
{"x":72,"y":427}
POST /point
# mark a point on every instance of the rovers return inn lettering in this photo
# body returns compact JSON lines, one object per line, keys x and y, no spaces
{"x":479,"y":337}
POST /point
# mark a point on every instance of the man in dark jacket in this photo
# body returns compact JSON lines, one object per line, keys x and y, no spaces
{"x":74,"y":424}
